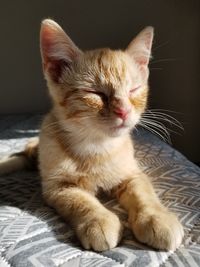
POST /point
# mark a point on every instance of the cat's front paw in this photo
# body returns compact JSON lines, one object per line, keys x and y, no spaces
{"x":100,"y":232}
{"x":158,"y":228}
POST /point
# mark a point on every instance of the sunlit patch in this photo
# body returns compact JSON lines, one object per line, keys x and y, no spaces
{"x":139,"y":101}
{"x":93,"y":101}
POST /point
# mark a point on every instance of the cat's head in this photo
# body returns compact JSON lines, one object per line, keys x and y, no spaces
{"x":102,"y":89}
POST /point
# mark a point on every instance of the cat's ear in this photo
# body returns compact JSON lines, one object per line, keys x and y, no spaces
{"x":140,"y":47}
{"x":57,"y":50}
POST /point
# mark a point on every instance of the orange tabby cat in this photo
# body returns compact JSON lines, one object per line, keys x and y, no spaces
{"x":85,"y":144}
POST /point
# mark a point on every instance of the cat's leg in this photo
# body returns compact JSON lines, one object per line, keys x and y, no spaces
{"x":151,"y":222}
{"x":96,"y":227}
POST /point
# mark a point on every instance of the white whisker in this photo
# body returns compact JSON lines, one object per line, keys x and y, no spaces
{"x":164,"y":60}
{"x":169,"y":119}
{"x":161,"y":45}
{"x":154,"y":132}
{"x":166,"y":116}
{"x":154,"y":119}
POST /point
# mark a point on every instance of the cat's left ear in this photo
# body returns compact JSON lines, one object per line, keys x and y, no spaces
{"x":140,"y":47}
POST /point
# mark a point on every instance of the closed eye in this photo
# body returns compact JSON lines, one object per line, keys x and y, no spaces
{"x":95,"y":92}
{"x":89,"y":91}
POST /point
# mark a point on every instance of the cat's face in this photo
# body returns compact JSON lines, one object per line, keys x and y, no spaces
{"x":101,"y":90}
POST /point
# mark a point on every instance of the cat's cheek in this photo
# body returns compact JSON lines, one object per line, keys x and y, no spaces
{"x":139,"y":101}
{"x":133,"y":119}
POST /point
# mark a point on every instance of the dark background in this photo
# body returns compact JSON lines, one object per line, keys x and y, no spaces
{"x":175,"y":82}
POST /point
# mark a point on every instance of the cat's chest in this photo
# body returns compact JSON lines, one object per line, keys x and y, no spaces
{"x":106,"y":173}
{"x":85,"y":167}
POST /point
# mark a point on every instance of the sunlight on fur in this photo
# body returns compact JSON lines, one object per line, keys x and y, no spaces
{"x":84,"y":146}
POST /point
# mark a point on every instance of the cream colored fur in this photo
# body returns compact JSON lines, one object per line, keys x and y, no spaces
{"x":80,"y":152}
{"x":85,"y":144}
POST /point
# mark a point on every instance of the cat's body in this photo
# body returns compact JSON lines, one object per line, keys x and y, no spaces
{"x":85,"y":144}
{"x":82,"y":164}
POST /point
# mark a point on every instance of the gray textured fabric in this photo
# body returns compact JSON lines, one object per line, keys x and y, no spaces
{"x":32,"y":234}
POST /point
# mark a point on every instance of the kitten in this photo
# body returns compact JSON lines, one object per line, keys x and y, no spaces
{"x":85,"y":144}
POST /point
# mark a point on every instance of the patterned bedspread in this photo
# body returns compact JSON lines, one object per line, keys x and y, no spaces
{"x":32,"y":234}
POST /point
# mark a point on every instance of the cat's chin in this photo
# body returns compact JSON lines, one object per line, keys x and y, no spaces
{"x":122,"y":128}
{"x":118,"y":131}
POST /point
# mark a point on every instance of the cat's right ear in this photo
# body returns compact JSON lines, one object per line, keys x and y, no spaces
{"x":57,"y":50}
{"x":140,"y":47}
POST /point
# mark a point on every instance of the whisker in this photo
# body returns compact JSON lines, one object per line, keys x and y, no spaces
{"x":164,"y":60}
{"x":154,"y":119}
{"x":168,"y":110}
{"x":137,"y":130}
{"x":160,"y":127}
{"x":155,"y":132}
{"x":171,"y":121}
{"x":165,"y":110}
{"x":156,"y":124}
{"x":161,"y":45}
{"x":156,"y":112}
{"x":156,"y":68}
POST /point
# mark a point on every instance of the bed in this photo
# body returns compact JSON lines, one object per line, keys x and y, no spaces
{"x":32,"y":234}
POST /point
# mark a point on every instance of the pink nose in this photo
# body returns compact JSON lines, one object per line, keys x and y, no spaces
{"x":122,"y":112}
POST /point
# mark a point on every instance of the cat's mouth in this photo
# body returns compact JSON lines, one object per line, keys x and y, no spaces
{"x":122,"y":126}
{"x":118,"y":130}
{"x":116,"y":127}
{"x":119,"y":127}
